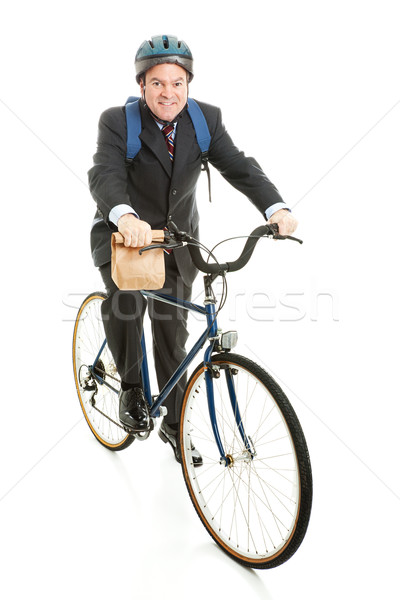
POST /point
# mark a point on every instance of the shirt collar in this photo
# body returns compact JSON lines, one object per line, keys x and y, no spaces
{"x":160,"y":125}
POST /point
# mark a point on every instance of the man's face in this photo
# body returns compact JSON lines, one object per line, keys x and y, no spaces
{"x":166,"y":90}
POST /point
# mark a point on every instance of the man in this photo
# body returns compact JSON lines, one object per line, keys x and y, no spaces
{"x":137,"y":196}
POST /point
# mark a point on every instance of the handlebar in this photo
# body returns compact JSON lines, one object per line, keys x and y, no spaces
{"x":176,"y":239}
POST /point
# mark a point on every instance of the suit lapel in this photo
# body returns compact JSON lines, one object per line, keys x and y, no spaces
{"x":184,"y":139}
{"x":155,"y":141}
{"x":153,"y":137}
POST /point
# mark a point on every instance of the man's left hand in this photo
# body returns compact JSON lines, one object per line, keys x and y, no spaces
{"x":286,"y":222}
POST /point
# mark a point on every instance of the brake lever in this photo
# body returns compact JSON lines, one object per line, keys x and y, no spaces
{"x":172,"y":232}
{"x":275,"y":235}
{"x":278,"y":236}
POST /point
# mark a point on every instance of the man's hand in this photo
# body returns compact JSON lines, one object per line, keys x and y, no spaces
{"x":136,"y":233}
{"x":286,"y":222}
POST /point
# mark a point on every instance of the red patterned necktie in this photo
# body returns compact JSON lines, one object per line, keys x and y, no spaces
{"x":168,"y":131}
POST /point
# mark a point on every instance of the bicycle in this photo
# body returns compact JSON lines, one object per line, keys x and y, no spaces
{"x":253,"y":492}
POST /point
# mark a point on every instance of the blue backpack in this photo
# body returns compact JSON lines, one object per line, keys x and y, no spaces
{"x":134,"y":127}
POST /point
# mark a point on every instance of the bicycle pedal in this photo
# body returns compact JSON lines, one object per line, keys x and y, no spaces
{"x":133,"y":431}
{"x":143,"y":435}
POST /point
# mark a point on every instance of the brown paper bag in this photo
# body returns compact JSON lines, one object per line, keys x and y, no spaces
{"x":132,"y":271}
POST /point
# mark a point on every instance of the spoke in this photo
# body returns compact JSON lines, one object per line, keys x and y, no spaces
{"x":250,"y":505}
{"x":266,"y":503}
{"x":283,"y":437}
{"x":210,"y":483}
{"x":242,"y":509}
{"x":256,"y":439}
{"x":203,"y":471}
{"x":277,"y":471}
{"x":278,"y":424}
{"x":273,"y":489}
{"x":89,"y":339}
{"x":200,"y":434}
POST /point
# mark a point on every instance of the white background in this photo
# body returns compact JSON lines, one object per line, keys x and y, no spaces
{"x":311,"y":89}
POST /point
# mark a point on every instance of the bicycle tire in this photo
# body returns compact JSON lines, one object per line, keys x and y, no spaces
{"x":87,"y":340}
{"x":257,"y":509}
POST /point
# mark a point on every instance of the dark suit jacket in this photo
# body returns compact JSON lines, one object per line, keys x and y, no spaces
{"x":156,"y":187}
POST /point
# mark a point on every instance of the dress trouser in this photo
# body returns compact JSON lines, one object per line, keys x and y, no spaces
{"x":123,"y":313}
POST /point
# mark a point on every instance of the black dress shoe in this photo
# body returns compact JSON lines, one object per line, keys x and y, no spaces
{"x":170,"y":435}
{"x":133,"y":409}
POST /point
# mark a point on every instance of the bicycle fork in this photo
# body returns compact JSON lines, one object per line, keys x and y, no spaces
{"x":213,"y":372}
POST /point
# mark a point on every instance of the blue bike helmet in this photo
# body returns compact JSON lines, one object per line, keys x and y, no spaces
{"x":163,"y":49}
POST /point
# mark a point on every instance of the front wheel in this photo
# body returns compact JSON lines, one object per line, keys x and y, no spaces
{"x":258,"y":507}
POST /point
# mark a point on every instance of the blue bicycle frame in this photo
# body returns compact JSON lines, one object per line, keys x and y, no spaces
{"x":211,"y":334}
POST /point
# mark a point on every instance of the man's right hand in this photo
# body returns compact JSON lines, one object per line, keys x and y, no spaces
{"x":135,"y":232}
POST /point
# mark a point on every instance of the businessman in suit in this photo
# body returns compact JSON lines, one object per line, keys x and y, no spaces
{"x":137,"y":196}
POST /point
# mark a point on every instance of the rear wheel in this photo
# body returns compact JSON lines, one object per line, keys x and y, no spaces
{"x":257,"y":509}
{"x":98,"y":401}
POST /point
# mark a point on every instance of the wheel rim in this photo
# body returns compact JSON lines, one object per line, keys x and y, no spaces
{"x":252,"y":506}
{"x":88,"y":338}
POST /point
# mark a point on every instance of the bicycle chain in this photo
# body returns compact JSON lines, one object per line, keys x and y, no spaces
{"x":92,"y":402}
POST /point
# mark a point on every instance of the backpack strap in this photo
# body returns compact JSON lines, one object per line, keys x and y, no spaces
{"x":202,"y":135}
{"x":200,"y":126}
{"x":133,"y":127}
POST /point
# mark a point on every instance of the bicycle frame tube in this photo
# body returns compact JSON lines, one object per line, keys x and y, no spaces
{"x":97,"y":358}
{"x":97,"y":377}
{"x":145,"y":373}
{"x":145,"y":368}
{"x":175,"y":301}
{"x":181,"y":370}
{"x":209,"y":333}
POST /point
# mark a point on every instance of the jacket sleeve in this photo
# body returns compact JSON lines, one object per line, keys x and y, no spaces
{"x":242,"y":172}
{"x":108,"y":176}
